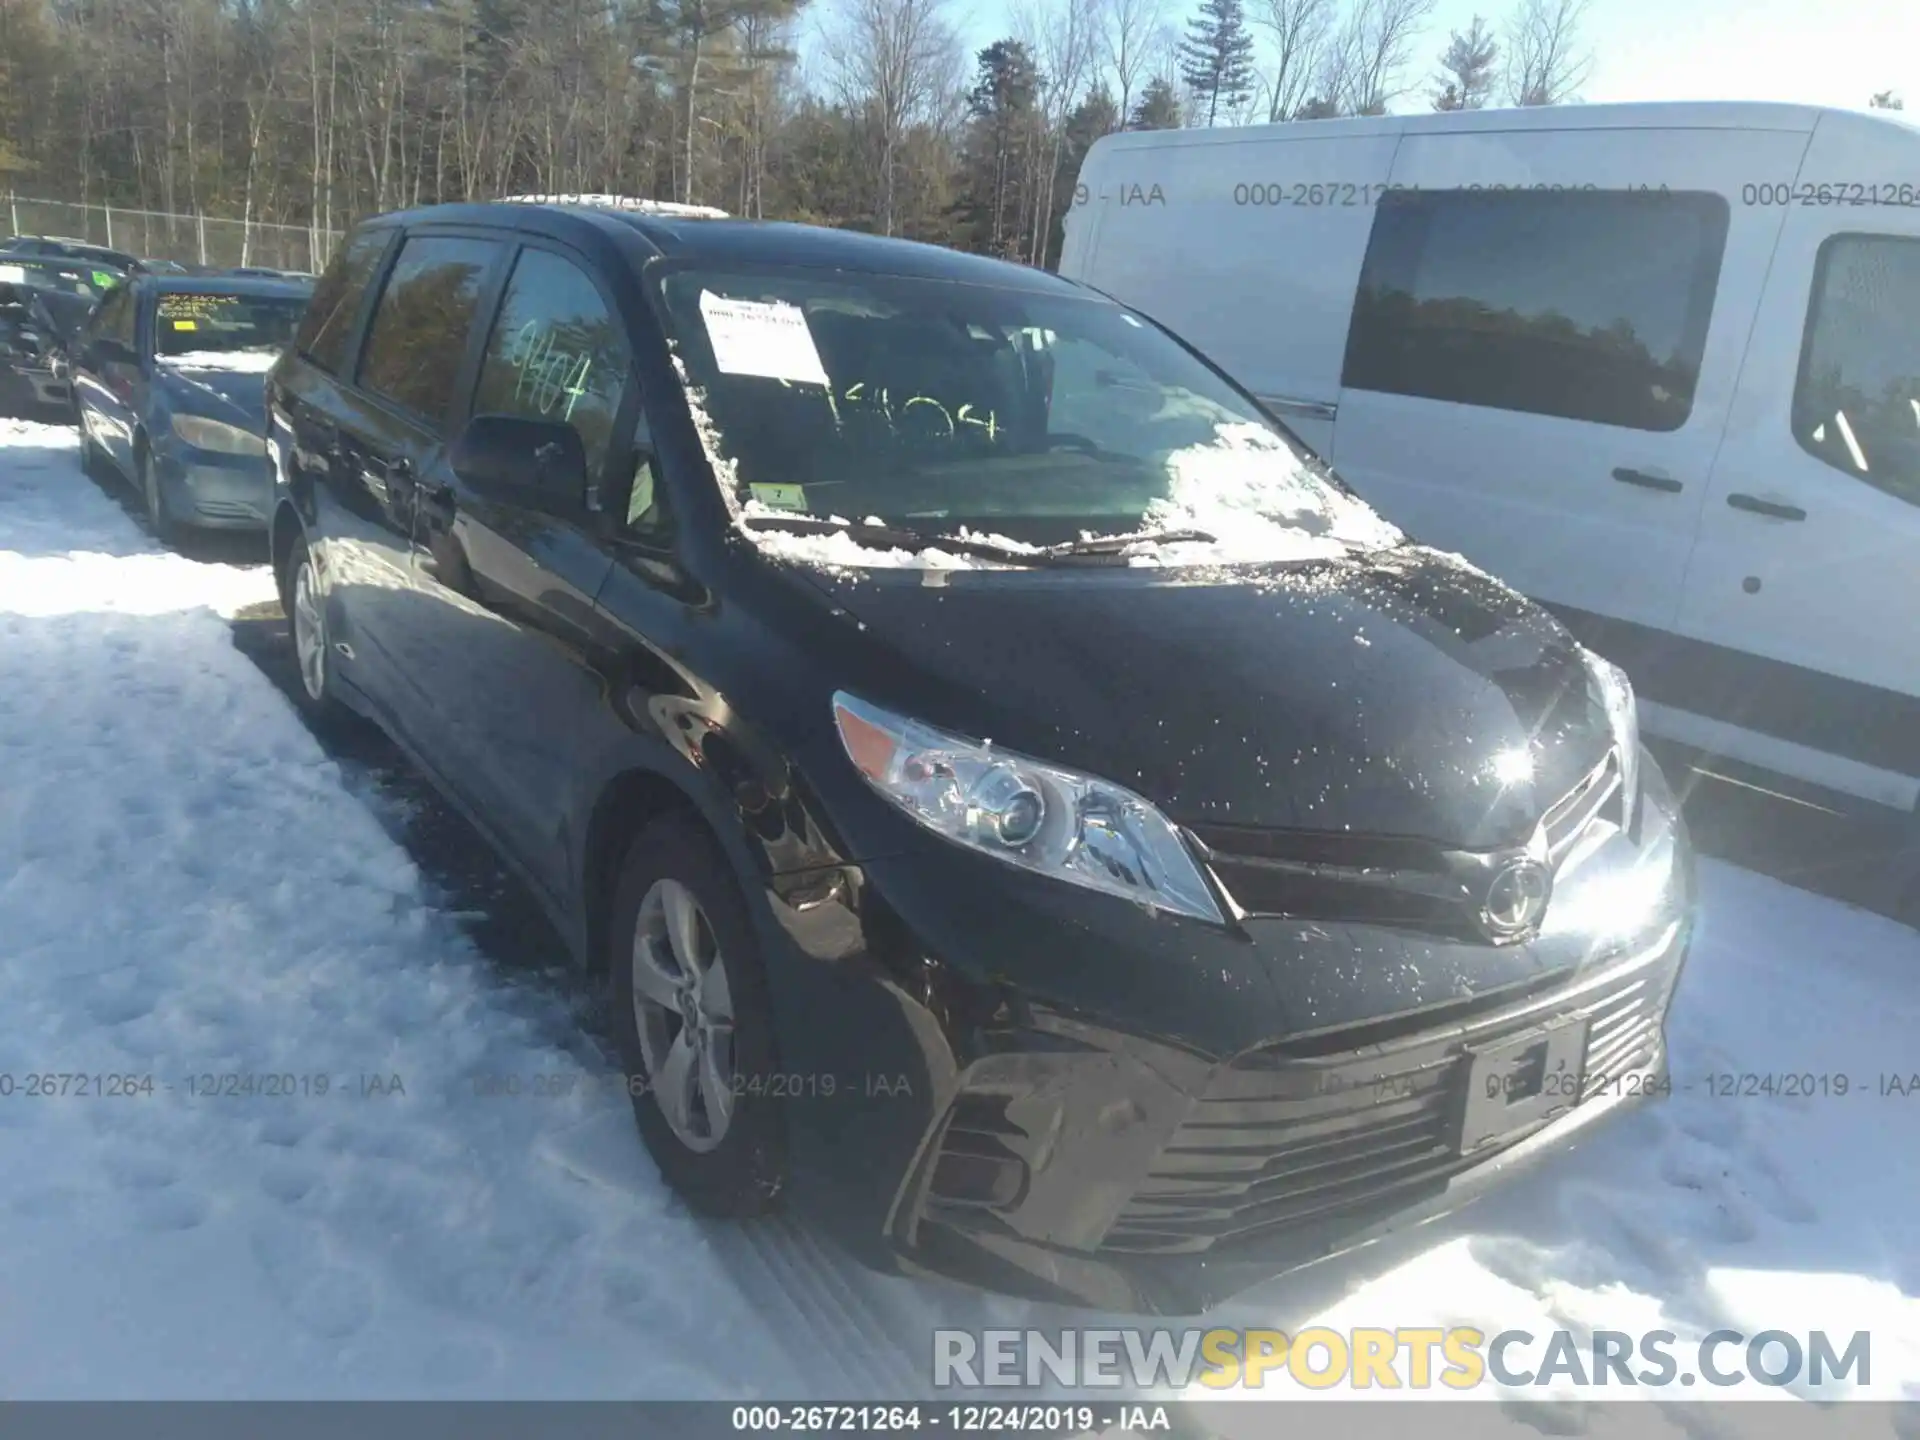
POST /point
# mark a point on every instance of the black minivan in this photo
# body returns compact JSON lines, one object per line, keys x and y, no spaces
{"x":1025,"y":809}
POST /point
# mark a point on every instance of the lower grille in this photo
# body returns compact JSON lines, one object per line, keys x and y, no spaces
{"x":1279,"y":1142}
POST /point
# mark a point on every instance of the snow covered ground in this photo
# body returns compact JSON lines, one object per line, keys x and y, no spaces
{"x":190,"y":886}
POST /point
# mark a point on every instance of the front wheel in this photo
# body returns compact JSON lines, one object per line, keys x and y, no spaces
{"x":159,"y":519}
{"x":692,"y":1017}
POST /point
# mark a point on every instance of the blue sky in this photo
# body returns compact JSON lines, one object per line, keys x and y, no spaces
{"x":1821,"y":52}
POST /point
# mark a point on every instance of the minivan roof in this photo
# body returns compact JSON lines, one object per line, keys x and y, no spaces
{"x":1638,"y":115}
{"x":723,"y":240}
{"x":217,"y":284}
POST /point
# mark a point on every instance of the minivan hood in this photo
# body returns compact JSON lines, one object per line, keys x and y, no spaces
{"x":1372,"y":695}
{"x":235,"y":396}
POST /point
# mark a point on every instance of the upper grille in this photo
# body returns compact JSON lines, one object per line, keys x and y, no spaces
{"x":1279,"y":1141}
{"x":1388,"y":880}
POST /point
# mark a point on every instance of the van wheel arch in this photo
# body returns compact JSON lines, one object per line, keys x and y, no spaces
{"x":627,"y":805}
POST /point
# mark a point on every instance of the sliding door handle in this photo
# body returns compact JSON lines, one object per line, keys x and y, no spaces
{"x":1646,"y":481}
{"x":1754,"y":505}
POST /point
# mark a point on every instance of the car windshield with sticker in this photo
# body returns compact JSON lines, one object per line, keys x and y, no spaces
{"x":936,"y":404}
{"x":221,"y":329}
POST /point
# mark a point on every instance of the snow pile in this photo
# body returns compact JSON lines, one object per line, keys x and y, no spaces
{"x":241,"y":362}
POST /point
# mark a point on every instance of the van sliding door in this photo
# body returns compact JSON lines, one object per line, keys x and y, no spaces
{"x":1546,"y":339}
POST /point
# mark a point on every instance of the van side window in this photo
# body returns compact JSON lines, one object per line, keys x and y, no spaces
{"x":418,"y":337}
{"x":1856,"y":404}
{"x":1586,"y":304}
{"x":556,"y":353}
{"x":335,"y":305}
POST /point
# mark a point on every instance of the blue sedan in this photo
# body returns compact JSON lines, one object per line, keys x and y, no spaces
{"x":168,"y":381}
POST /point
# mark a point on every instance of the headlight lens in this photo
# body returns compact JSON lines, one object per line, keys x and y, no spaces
{"x":1039,"y":817}
{"x":217,"y":436}
{"x":1613,"y":692}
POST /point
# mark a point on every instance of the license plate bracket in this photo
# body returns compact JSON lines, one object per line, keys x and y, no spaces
{"x":1521,"y":1081}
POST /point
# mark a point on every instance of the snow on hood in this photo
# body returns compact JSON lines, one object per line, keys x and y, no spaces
{"x":244,"y":362}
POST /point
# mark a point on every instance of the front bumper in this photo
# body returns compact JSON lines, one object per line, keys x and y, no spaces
{"x":1059,"y":1097}
{"x":1183,"y":1197}
{"x":212,"y":491}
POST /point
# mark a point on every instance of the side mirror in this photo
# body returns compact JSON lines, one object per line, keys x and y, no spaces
{"x":540,"y":464}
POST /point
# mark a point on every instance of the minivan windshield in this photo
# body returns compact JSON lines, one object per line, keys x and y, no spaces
{"x":935,"y":406}
{"x":217,"y":329}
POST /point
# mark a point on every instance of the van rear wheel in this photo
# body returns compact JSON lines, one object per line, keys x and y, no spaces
{"x":305,"y":603}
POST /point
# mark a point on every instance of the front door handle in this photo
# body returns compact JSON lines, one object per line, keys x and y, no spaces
{"x":1647,"y":482}
{"x":1754,"y":505}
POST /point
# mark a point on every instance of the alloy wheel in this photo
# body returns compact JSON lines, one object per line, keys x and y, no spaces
{"x":683,"y":1014}
{"x":309,"y":632}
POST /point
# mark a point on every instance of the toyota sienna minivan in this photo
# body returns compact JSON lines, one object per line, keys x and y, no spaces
{"x":1024,"y":810}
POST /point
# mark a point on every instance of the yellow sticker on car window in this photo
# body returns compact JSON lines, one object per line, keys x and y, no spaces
{"x":186,"y":324}
{"x":781,"y":497}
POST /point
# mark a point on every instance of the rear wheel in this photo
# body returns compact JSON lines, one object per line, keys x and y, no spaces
{"x":691,"y":1014}
{"x":305,"y":604}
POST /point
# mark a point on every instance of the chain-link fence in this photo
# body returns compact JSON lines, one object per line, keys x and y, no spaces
{"x":159,"y":235}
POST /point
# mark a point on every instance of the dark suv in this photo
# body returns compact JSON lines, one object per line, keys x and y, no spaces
{"x":1021,"y":804}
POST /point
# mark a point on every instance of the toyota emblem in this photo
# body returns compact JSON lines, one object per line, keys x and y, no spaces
{"x":1516,"y":899}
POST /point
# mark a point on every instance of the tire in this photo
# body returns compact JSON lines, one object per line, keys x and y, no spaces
{"x":737,"y":1167}
{"x":90,"y":456}
{"x":307,"y":639}
{"x":159,"y":519}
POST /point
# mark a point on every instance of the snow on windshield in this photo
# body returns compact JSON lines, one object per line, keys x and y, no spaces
{"x":250,"y":362}
{"x":1250,"y":491}
{"x":1246,"y":488}
{"x":838,"y":550}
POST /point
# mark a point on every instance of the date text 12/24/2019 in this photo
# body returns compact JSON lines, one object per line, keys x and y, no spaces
{"x":1041,"y":1419}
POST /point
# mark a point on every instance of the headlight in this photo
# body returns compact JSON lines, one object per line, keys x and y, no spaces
{"x":1039,"y":817}
{"x":1613,"y":692}
{"x":215,"y":435}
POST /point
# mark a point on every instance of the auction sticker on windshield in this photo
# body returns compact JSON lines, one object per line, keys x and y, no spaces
{"x":781,"y":497}
{"x":765,"y":338}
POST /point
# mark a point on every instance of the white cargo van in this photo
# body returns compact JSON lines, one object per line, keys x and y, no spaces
{"x":1656,"y":365}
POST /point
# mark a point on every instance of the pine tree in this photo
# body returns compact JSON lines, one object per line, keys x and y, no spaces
{"x":1158,"y":107}
{"x":1216,"y":58}
{"x":1467,"y":68}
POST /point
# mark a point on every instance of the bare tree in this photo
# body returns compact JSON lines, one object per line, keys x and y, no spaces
{"x":1363,"y":68}
{"x":1467,"y":69}
{"x":1066,"y":42}
{"x":1299,"y":29}
{"x":896,"y":63}
{"x":1129,"y":33}
{"x":1546,"y":61}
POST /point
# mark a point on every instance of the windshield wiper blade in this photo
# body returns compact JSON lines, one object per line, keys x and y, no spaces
{"x":900,"y":537}
{"x":1114,"y":544}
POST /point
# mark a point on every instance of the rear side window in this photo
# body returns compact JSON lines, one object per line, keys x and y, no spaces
{"x":117,"y":316}
{"x":1588,"y":305}
{"x":327,"y":329}
{"x":419,"y":333}
{"x":556,"y":353}
{"x":1856,"y":404}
